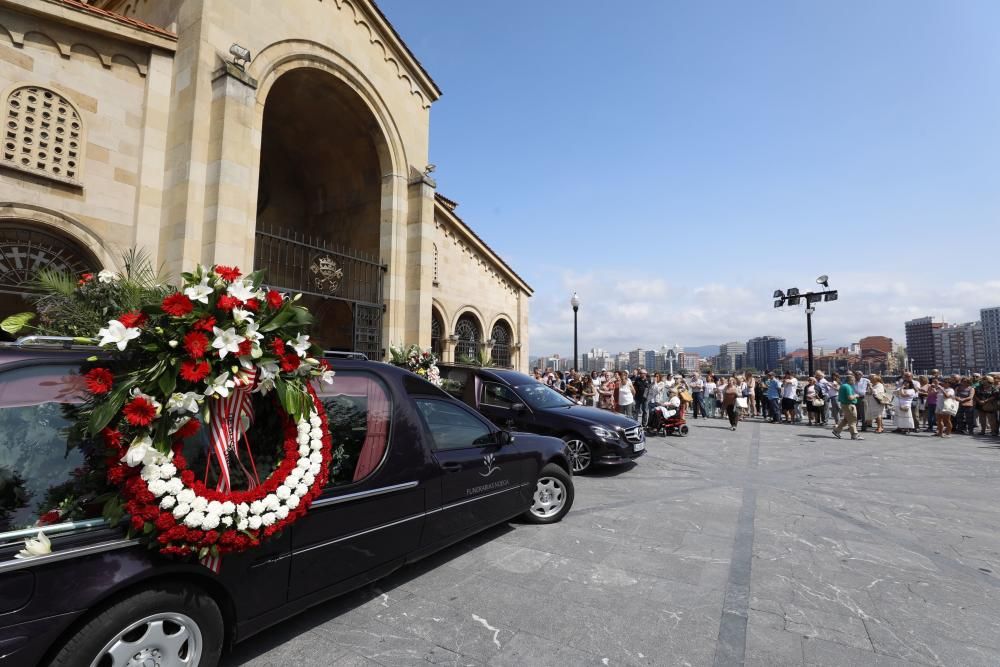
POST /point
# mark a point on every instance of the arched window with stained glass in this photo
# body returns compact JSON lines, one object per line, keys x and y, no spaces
{"x":469,"y":334}
{"x":502,"y":338}
{"x":437,"y":332}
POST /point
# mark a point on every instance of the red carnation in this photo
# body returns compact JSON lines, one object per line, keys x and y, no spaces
{"x":211,"y":537}
{"x":86,"y":277}
{"x":205,"y":324}
{"x":194,"y":371}
{"x":49,"y":518}
{"x":187,"y":477}
{"x":140,"y":412}
{"x":116,"y":475}
{"x":289,"y":362}
{"x":245,"y":348}
{"x":99,"y":380}
{"x":133,"y":319}
{"x":138,"y":523}
{"x":228,"y":273}
{"x":279,"y":347}
{"x":177,"y":304}
{"x":186,"y":431}
{"x":252,"y":304}
{"x":274,"y":299}
{"x":165,"y":521}
{"x":227,"y":302}
{"x":196,"y":343}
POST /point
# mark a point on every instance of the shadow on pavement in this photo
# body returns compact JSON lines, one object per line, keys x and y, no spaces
{"x":310,"y":618}
{"x":610,"y":471}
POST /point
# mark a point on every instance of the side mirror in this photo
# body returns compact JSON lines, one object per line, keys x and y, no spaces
{"x":518,"y":408}
{"x":504,"y":438}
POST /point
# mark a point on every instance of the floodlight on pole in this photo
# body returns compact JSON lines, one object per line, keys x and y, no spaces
{"x":793,"y":297}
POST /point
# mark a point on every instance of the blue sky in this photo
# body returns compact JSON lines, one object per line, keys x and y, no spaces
{"x":675,"y":162}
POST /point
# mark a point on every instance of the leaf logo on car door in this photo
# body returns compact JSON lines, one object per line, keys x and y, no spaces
{"x":490,"y":467}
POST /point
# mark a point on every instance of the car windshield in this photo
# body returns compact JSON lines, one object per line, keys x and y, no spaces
{"x":540,"y":396}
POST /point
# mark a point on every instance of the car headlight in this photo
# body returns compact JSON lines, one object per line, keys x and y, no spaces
{"x":604,"y":434}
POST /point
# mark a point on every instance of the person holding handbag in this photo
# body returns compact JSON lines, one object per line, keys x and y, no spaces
{"x":876,"y":399}
{"x":814,"y":402}
{"x":729,"y":396}
{"x":947,"y":409}
{"x":905,"y":399}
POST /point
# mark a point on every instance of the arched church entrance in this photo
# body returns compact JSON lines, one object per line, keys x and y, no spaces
{"x":319,"y":206}
{"x":25,"y":249}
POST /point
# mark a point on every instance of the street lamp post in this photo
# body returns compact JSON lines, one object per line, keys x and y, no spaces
{"x":575,"y":302}
{"x":793,"y":297}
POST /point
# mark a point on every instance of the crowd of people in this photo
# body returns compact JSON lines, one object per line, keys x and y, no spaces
{"x":854,"y":402}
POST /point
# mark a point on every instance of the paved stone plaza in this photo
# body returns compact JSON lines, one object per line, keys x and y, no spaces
{"x":773,"y":545}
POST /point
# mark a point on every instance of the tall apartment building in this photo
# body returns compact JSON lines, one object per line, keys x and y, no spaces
{"x":763,"y":352}
{"x":990,"y":317}
{"x":960,"y":348}
{"x":920,"y":343}
{"x":687,"y":362}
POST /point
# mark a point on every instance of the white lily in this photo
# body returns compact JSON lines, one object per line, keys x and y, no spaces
{"x":35,"y":546}
{"x":241,"y":290}
{"x":251,"y":333}
{"x":220,"y":385}
{"x":300,"y":345}
{"x":199,"y":292}
{"x":241,"y":315}
{"x":106,"y":276}
{"x":118,"y":334}
{"x":139,"y":451}
{"x":226,"y":341}
{"x":186,"y":402}
{"x":327,"y":376}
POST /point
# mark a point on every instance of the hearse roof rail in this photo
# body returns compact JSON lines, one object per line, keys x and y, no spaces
{"x":64,"y":342}
{"x":335,"y":354}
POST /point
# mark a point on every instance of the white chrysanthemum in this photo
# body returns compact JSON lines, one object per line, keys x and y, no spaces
{"x":316,"y":445}
{"x":314,"y":420}
{"x":257,"y":507}
{"x":303,"y":426}
{"x":157,"y":487}
{"x":302,"y":463}
{"x":302,"y":439}
{"x":271,"y":502}
{"x":194,"y":519}
{"x":199,"y":504}
{"x":283,"y":492}
{"x":215,"y":507}
{"x":308,"y":479}
{"x":242,"y":524}
{"x":210,"y":522}
{"x":282,"y":513}
{"x":242,"y":509}
{"x":313,"y":469}
{"x":316,"y":457}
{"x":227,"y":507}
{"x":268,"y":518}
{"x":316,"y":433}
{"x":292,"y":502}
{"x":167,"y":471}
{"x":167,"y":502}
{"x":253,"y":522}
{"x":181,"y":510}
{"x":227,"y":521}
{"x":301,"y":490}
{"x":185,"y":496}
{"x":304,"y":450}
{"x":174,"y":486}
{"x":150,"y":472}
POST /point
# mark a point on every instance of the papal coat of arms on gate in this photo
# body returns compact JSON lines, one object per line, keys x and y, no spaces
{"x":327,"y":274}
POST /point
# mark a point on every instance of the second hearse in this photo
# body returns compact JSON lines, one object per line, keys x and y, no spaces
{"x":517,"y":401}
{"x":415,"y":470}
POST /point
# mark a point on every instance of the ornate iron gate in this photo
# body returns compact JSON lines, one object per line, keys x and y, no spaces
{"x":301,"y":263}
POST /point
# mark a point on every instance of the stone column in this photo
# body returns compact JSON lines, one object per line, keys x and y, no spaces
{"x":419,"y":260}
{"x":230,"y":213}
{"x":152,"y":161}
{"x":393,"y":252}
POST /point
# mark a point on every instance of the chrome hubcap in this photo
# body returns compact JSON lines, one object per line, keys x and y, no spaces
{"x":579,"y":454}
{"x":167,"y":639}
{"x":550,"y":495}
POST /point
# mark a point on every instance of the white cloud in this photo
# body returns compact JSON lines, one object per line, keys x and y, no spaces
{"x":619,"y":315}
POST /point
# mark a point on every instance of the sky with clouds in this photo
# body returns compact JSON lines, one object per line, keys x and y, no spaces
{"x":675,"y":162}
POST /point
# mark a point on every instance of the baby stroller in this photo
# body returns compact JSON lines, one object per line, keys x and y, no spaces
{"x":672,"y":425}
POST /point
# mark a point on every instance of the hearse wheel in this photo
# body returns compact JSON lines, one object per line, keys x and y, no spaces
{"x":580,"y":456}
{"x":553,"y":496}
{"x":165,"y":626}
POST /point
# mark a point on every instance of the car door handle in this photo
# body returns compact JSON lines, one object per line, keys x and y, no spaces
{"x":452,"y":467}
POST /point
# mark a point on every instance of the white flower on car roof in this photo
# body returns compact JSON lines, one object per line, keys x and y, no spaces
{"x":118,"y":334}
{"x":35,"y":546}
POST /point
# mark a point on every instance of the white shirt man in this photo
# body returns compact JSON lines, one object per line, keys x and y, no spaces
{"x":789,"y":387}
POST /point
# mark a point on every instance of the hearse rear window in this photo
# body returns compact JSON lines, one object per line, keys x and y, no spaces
{"x":42,"y":479}
{"x":358,"y":409}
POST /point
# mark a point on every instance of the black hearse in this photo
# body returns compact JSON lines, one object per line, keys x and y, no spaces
{"x":514,"y":400}
{"x":417,"y":471}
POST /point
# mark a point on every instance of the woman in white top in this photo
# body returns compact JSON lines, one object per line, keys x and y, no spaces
{"x":904,"y":407}
{"x":710,"y":395}
{"x":747,"y":390}
{"x":874,"y":402}
{"x":626,"y":396}
{"x":941,"y":417}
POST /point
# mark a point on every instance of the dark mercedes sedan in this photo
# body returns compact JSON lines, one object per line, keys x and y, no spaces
{"x":415,"y":470}
{"x":514,"y":400}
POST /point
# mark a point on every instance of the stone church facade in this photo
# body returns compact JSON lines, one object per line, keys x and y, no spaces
{"x":138,"y":123}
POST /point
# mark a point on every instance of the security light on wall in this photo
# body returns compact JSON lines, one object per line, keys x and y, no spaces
{"x":240,"y":54}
